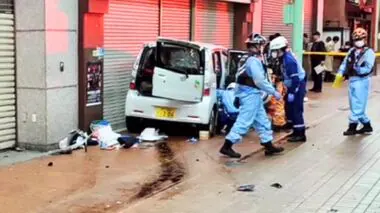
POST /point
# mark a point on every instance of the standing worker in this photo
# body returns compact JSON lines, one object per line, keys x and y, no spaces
{"x":357,"y":67}
{"x":251,"y":80}
{"x":318,"y":46}
{"x":294,"y":79}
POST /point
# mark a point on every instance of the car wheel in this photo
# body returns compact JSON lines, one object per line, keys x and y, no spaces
{"x":134,"y":125}
{"x":211,"y":126}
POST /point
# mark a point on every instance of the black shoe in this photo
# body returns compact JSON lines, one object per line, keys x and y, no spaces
{"x":227,"y":150}
{"x":270,"y":149}
{"x":351,"y":130}
{"x":297,"y":139}
{"x":367,"y":129}
{"x":312,"y":90}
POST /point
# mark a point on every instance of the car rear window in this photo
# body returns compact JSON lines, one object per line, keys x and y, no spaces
{"x":178,"y":58}
{"x":148,"y":61}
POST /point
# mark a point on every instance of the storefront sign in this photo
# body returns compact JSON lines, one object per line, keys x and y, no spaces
{"x":94,"y":83}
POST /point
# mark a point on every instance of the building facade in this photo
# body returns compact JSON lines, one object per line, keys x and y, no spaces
{"x":64,"y":63}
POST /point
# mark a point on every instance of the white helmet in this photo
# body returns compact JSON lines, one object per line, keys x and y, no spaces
{"x":278,"y":43}
{"x":231,"y":86}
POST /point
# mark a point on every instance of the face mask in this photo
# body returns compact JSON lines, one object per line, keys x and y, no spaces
{"x":359,"y":43}
{"x":274,"y":54}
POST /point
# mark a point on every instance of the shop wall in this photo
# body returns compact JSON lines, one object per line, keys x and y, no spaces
{"x":46,"y":35}
{"x":334,"y":13}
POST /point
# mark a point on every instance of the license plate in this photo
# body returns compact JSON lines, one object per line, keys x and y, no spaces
{"x":165,"y":112}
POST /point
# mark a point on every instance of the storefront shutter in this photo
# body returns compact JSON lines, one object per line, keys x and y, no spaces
{"x":308,"y":17}
{"x":7,"y":77}
{"x":175,"y":19}
{"x":127,"y":26}
{"x":272,"y":21}
{"x":214,"y":22}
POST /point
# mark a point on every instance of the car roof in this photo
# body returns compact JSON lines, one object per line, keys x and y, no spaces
{"x":200,"y":44}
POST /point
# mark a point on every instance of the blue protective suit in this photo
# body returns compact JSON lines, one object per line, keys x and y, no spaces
{"x":227,"y":112}
{"x":359,"y":87}
{"x":295,"y":82}
{"x":251,"y":110}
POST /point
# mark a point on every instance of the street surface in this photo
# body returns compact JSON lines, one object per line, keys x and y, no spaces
{"x":329,"y":173}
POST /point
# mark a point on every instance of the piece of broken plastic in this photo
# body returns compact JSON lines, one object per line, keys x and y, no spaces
{"x":276,"y":185}
{"x":246,"y":188}
{"x":151,"y":134}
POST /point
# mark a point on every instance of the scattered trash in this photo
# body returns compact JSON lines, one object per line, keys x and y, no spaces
{"x":19,"y":149}
{"x":127,"y":141}
{"x":50,"y":164}
{"x":312,"y":144}
{"x":5,"y":156}
{"x":333,"y":210}
{"x":276,"y":185}
{"x":108,"y":206}
{"x":107,"y":138}
{"x":197,"y":160}
{"x":118,"y":202}
{"x":77,"y":139}
{"x":246,"y":188}
{"x":107,"y":167}
{"x":151,"y":135}
{"x":193,"y":140}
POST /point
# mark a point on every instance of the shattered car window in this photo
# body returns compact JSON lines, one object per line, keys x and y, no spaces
{"x":180,"y":59}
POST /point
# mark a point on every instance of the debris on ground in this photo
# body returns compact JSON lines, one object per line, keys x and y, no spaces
{"x":333,"y":210}
{"x":76,"y":139}
{"x":197,"y":160}
{"x":50,"y":164}
{"x":246,"y":188}
{"x":107,"y":138}
{"x":151,"y":135}
{"x":193,"y":140}
{"x":107,"y":167}
{"x":276,"y":185}
{"x":127,"y":141}
{"x":19,"y":149}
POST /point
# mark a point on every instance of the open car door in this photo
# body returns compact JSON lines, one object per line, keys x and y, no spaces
{"x":179,"y":72}
{"x":234,"y":57}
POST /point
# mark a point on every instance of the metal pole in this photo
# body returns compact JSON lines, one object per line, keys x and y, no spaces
{"x":298,"y":28}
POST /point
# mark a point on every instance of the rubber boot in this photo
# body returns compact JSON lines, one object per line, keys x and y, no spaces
{"x":270,"y":149}
{"x":227,"y":150}
{"x":351,"y":130}
{"x":367,"y":129}
{"x":297,"y":137}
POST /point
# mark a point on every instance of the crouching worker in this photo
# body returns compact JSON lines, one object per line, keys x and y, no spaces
{"x":294,"y":80}
{"x":357,"y":67}
{"x":251,"y":80}
{"x":228,"y":110}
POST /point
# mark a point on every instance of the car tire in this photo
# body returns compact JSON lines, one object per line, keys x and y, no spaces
{"x":134,"y":125}
{"x":212,"y":125}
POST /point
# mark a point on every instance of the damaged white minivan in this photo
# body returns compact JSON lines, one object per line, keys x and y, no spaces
{"x":176,"y":81}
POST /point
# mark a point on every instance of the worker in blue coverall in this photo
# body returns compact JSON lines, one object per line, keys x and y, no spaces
{"x":295,"y":82}
{"x":229,"y":112}
{"x":251,"y":80}
{"x":357,"y":67}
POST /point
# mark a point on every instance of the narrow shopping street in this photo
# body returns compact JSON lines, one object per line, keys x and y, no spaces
{"x":329,"y":173}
